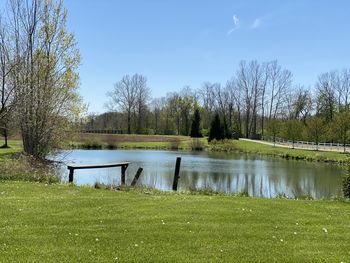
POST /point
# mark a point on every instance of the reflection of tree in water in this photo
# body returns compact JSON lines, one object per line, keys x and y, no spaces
{"x":258,"y":176}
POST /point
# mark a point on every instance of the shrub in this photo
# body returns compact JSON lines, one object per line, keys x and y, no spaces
{"x":175,"y":144}
{"x":92,"y":143}
{"x":26,"y":168}
{"x":195,"y":127}
{"x":196,"y":145}
{"x":110,"y":142}
{"x":215,"y":129}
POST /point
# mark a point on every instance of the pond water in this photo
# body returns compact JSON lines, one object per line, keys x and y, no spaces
{"x":222,"y":172}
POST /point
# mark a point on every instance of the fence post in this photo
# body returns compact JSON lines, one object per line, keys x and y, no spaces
{"x":137,"y":175}
{"x":177,"y":172}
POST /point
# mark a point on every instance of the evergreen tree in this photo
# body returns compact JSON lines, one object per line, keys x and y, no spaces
{"x":195,"y":128}
{"x":215,"y":129}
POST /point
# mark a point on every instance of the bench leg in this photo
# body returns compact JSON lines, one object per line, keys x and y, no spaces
{"x":123,"y":174}
{"x":71,"y":173}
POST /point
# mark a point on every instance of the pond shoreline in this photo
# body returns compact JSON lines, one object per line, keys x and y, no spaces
{"x":237,"y":173}
{"x":231,"y":146}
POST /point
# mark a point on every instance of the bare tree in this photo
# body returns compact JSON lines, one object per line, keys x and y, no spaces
{"x":279,"y":82}
{"x":326,"y":100}
{"x":6,"y":86}
{"x":301,"y":104}
{"x":344,"y":89}
{"x":249,"y":80}
{"x":123,"y":97}
{"x":207,"y":98}
{"x":143,"y":95}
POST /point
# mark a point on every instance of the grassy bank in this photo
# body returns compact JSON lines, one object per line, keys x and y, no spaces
{"x":118,"y":141}
{"x":164,"y":142}
{"x":263,"y":149}
{"x":60,"y":223}
{"x":17,"y":166}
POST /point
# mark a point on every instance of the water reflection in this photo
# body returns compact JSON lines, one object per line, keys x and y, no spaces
{"x":230,"y":173}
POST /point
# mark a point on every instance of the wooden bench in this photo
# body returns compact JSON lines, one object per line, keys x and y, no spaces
{"x":123,"y":166}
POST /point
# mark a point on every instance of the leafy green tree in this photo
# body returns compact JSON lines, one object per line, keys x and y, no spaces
{"x":316,"y":128}
{"x":45,"y":73}
{"x":195,"y":127}
{"x":273,"y":128}
{"x":341,"y":127}
{"x":292,"y":130}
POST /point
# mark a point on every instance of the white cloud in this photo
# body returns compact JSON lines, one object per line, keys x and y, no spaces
{"x":257,"y":23}
{"x":236,"y":25}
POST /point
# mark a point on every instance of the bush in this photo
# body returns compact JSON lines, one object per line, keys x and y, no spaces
{"x":175,"y":144}
{"x":92,"y":143}
{"x":25,"y":168}
{"x":196,"y":145}
{"x":110,"y":142}
{"x":216,"y":131}
{"x":346,"y":187}
{"x":195,"y":127}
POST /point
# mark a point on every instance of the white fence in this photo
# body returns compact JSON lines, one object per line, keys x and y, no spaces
{"x":327,"y":146}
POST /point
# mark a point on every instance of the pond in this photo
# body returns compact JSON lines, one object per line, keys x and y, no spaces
{"x":230,"y":173}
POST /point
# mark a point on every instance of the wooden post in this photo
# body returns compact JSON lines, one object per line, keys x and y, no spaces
{"x":123,"y":174}
{"x":137,"y":175}
{"x":177,"y":173}
{"x":71,"y":173}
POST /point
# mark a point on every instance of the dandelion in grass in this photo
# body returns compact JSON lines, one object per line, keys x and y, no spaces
{"x":295,"y":233}
{"x":136,"y":245}
{"x":97,"y":239}
{"x":281,"y":240}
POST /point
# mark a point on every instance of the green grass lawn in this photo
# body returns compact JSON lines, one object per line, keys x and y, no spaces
{"x":61,"y":223}
{"x":258,"y":148}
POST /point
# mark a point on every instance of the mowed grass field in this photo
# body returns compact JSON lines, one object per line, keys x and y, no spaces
{"x":264,"y":149}
{"x":62,"y":223}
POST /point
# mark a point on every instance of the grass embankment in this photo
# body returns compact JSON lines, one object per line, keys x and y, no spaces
{"x":165,"y":142}
{"x":61,"y":223}
{"x":117,"y":141}
{"x":263,"y":149}
{"x":16,"y":166}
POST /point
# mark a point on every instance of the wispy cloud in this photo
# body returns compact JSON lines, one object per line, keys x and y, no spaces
{"x":257,"y":23}
{"x":236,"y":25}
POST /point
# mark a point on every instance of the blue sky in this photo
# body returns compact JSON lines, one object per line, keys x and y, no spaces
{"x":182,"y":42}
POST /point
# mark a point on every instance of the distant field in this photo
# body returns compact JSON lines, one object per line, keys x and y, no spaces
{"x":88,"y":140}
{"x":131,"y":137}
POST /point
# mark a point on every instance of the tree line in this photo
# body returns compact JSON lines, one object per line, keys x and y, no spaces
{"x":259,"y":100}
